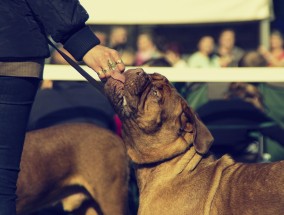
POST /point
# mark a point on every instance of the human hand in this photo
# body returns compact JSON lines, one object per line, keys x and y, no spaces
{"x":105,"y":62}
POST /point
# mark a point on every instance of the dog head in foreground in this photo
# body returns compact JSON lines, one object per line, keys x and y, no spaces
{"x":157,"y":122}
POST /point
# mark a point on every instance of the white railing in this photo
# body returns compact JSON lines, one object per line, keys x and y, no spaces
{"x":66,"y":72}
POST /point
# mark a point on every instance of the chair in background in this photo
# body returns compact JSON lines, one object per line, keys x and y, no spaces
{"x":239,"y":129}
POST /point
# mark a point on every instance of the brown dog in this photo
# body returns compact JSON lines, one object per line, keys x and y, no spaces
{"x":175,"y":173}
{"x":80,"y":164}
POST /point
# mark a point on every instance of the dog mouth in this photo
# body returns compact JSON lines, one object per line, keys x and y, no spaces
{"x":118,"y":76}
{"x":125,"y":95}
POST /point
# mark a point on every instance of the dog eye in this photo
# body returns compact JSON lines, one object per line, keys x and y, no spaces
{"x":154,"y":92}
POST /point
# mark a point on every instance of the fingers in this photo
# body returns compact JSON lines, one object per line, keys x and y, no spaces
{"x":104,"y":61}
{"x":118,"y":61}
{"x":98,"y":70}
{"x":101,"y":74}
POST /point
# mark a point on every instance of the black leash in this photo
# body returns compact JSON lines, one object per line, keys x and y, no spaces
{"x":86,"y":75}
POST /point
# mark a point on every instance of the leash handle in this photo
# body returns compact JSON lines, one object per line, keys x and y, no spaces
{"x":72,"y":63}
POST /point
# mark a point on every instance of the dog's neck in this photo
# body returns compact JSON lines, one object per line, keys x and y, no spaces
{"x":182,"y":163}
{"x":149,"y":152}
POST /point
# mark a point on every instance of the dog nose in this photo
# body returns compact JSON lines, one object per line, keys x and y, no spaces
{"x":142,"y":75}
{"x":139,"y":73}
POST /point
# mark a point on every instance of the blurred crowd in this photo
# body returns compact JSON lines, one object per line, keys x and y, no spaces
{"x":144,"y":48}
{"x":210,"y":52}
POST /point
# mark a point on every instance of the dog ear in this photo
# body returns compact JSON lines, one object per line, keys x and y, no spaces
{"x":202,"y":136}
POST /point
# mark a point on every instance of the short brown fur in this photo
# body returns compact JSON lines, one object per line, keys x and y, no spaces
{"x":74,"y":163}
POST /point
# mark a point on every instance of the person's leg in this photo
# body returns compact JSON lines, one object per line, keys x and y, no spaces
{"x":16,"y":98}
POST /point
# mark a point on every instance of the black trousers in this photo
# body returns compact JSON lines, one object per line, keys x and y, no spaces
{"x":16,"y":99}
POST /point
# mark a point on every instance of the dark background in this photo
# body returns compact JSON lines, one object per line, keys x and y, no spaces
{"x":278,"y":23}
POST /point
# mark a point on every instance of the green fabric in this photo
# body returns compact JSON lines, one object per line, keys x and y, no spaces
{"x":273,"y":99}
{"x":198,"y":97}
{"x":275,"y":150}
{"x":195,"y":96}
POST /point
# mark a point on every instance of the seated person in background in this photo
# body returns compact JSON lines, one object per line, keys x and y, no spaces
{"x":102,"y":37}
{"x":173,"y":55}
{"x":128,"y":57}
{"x":248,"y":91}
{"x":146,"y":48}
{"x":118,"y":40}
{"x":157,"y":62}
{"x":228,"y":52}
{"x":204,"y":57}
{"x":252,"y":59}
{"x":275,"y":55}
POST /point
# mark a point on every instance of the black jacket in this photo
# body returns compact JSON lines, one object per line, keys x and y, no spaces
{"x":24,"y":24}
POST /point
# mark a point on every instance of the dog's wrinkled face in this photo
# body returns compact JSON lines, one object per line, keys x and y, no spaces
{"x":157,"y":122}
{"x":125,"y":96}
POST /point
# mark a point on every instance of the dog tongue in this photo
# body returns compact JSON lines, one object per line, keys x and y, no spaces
{"x":118,"y":76}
